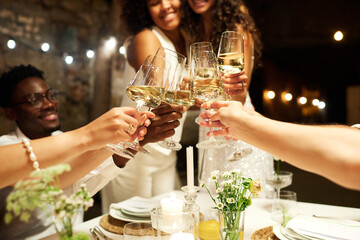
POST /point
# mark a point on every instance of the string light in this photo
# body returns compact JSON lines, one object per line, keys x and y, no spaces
{"x":122,"y":50}
{"x":315,"y":102}
{"x":302,"y":100}
{"x":321,"y":105}
{"x":69,"y":59}
{"x":11,"y":44}
{"x":338,"y":36}
{"x":45,"y":47}
{"x":110,"y":44}
{"x":270,"y":94}
{"x":90,"y":53}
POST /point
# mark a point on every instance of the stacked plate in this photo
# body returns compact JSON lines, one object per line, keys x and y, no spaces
{"x":135,"y":209}
{"x":311,"y":228}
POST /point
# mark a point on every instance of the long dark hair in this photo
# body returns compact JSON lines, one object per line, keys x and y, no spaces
{"x":226,"y":14}
{"x":135,"y":15}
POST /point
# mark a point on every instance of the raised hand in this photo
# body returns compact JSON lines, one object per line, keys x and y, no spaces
{"x":164,"y":123}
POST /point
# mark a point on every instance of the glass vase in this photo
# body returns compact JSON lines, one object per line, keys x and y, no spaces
{"x":231,"y":225}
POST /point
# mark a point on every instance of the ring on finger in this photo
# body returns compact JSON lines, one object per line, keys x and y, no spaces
{"x":242,"y":85}
{"x":130,"y":129}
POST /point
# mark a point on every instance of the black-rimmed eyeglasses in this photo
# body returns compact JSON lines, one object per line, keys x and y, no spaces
{"x":37,"y":99}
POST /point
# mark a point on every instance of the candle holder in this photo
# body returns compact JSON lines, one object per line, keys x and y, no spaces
{"x":168,"y":224}
{"x":190,"y":196}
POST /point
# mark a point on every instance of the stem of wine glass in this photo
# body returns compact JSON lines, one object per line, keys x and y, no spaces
{"x":211,"y":138}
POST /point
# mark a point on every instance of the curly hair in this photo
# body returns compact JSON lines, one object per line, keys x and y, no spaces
{"x":10,"y":79}
{"x":135,"y":15}
{"x":226,"y":14}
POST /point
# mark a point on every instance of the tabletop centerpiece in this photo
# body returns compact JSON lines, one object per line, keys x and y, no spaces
{"x":234,"y":194}
{"x":42,"y":189}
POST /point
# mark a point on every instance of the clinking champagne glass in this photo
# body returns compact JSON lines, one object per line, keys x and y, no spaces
{"x":176,"y":62}
{"x":146,"y":90}
{"x":231,"y":60}
{"x":207,"y":86}
{"x":194,"y":49}
{"x":179,"y":93}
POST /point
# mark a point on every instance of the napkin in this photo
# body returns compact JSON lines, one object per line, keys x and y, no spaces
{"x":136,"y":205}
{"x":323,"y":228}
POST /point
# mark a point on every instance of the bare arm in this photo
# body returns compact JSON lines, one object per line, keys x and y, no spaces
{"x":143,"y":44}
{"x":330,"y":151}
{"x":80,"y":147}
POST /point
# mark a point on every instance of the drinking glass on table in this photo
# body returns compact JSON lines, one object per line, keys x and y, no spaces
{"x":207,"y":86}
{"x":231,"y":60}
{"x":146,"y":89}
{"x":176,"y":63}
{"x":278,"y":180}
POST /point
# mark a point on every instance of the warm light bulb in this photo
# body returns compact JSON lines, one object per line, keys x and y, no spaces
{"x":321,"y":105}
{"x":110,"y":44}
{"x":69,"y":59}
{"x":90,"y":53}
{"x":315,"y":102}
{"x":302,"y":100}
{"x":338,"y":36}
{"x":11,"y":44}
{"x":271,"y":94}
{"x":45,"y":47}
{"x":288,"y":97}
{"x":122,"y":50}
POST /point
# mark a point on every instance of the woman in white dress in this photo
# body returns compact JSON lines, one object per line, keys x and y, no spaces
{"x":153,"y":24}
{"x":206,"y":21}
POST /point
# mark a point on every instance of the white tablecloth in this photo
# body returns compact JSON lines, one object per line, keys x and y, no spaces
{"x":257,"y":215}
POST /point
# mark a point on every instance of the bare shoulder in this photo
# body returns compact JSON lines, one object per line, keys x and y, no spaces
{"x":143,"y":44}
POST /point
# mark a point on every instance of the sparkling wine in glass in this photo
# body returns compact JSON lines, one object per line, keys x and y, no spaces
{"x":231,"y":60}
{"x":146,"y":89}
{"x":207,"y":87}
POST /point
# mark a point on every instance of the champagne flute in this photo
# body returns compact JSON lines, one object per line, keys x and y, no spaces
{"x":176,"y":63}
{"x":231,"y":60}
{"x":207,"y":86}
{"x":146,"y":89}
{"x":179,"y":93}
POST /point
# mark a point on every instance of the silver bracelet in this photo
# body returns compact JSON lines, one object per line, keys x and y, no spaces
{"x":31,"y":153}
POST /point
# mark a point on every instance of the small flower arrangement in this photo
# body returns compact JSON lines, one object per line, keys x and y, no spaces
{"x":42,"y":189}
{"x":234,"y":194}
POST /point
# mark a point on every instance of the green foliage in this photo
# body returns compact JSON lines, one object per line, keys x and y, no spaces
{"x":41,"y":189}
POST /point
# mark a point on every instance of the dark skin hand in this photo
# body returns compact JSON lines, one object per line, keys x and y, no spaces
{"x":162,"y":126}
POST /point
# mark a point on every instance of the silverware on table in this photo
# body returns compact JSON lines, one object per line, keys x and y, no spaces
{"x":91,"y":230}
{"x":100,"y":233}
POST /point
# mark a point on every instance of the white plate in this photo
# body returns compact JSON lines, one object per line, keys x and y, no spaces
{"x":115,"y":213}
{"x":135,"y":214}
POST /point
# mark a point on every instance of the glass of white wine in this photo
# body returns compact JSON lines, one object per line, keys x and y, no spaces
{"x":207,"y":86}
{"x":146,"y":89}
{"x":231,"y":60}
{"x":176,"y":62}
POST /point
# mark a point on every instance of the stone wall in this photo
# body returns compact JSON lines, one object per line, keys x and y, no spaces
{"x":70,"y":27}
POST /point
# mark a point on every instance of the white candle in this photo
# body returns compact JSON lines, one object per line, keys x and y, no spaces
{"x":171,"y":205}
{"x":182,"y":236}
{"x":190,"y":166}
{"x":171,"y":217}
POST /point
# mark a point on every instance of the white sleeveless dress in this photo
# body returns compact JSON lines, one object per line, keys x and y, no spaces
{"x":148,"y":174}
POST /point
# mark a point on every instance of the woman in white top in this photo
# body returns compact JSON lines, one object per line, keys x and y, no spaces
{"x":153,"y":24}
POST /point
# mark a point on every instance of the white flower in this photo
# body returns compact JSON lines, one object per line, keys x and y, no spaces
{"x":218,"y":190}
{"x":235,"y":171}
{"x":215,"y":175}
{"x":230,"y":200}
{"x":220,"y":205}
{"x":226,"y":175}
